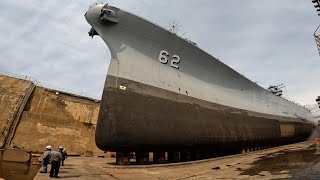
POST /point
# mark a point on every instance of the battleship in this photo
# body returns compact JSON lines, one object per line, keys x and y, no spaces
{"x":164,"y":93}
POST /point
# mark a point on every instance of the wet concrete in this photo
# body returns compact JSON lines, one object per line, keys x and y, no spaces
{"x":290,"y":161}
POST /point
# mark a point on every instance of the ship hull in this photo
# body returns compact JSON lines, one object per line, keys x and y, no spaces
{"x":152,"y":102}
{"x":132,"y":120}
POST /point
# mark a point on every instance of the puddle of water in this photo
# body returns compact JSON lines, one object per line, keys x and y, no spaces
{"x":284,"y":162}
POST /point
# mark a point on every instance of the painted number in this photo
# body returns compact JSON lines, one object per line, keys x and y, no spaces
{"x":175,"y":61}
{"x":163,"y":58}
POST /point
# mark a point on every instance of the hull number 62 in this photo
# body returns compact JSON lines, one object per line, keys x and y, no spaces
{"x":163,"y":58}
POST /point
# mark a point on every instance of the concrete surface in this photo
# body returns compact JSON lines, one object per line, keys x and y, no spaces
{"x":292,"y":161}
{"x":17,"y":171}
{"x":49,"y":117}
{"x":16,"y":155}
{"x":16,"y":165}
{"x":53,"y":118}
{"x":12,"y":93}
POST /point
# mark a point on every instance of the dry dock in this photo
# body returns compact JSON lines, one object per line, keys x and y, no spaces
{"x":295,"y":161}
{"x":33,"y":117}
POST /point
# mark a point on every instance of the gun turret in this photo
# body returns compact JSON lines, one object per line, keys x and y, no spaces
{"x":277,"y":90}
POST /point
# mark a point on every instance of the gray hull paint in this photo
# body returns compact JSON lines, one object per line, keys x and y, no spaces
{"x":147,"y":105}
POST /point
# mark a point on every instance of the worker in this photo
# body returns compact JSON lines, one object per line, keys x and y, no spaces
{"x":55,"y":159}
{"x":44,"y":159}
{"x":64,"y":156}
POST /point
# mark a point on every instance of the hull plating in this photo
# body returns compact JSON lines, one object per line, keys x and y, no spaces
{"x":132,"y":120}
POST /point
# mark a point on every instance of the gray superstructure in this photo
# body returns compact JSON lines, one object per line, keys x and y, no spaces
{"x":163,"y":92}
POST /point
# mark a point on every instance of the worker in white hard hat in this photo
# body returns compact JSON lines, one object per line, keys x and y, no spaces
{"x":55,"y":159}
{"x":44,"y":159}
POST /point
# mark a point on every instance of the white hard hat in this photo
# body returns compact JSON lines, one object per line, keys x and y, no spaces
{"x":48,"y":147}
{"x":60,"y":147}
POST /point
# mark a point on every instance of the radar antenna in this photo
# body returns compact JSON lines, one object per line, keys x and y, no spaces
{"x":317,"y":5}
{"x":317,"y":37}
{"x":174,"y":28}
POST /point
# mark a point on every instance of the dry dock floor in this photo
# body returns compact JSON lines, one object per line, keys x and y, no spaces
{"x":295,"y":161}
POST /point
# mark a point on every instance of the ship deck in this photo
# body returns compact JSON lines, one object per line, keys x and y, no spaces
{"x":297,"y":161}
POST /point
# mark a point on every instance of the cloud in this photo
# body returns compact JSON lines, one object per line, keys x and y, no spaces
{"x":270,"y":43}
{"x":49,"y":41}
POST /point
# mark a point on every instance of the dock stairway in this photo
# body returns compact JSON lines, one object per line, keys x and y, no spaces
{"x":14,"y":95}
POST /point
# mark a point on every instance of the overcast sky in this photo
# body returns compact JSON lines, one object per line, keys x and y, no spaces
{"x":270,"y":42}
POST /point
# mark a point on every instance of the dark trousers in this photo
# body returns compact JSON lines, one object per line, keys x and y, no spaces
{"x":55,"y":166}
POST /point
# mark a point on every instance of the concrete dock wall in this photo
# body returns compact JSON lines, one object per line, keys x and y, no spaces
{"x":14,"y":93}
{"x":51,"y":117}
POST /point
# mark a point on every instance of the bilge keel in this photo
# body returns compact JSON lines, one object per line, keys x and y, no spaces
{"x":163,"y":93}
